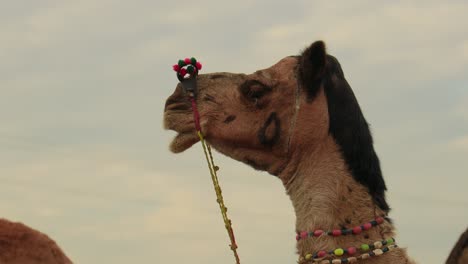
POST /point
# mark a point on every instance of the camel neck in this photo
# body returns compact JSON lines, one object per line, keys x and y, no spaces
{"x":325,"y":196}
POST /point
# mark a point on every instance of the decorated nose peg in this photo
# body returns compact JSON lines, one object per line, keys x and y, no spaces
{"x":187,"y":71}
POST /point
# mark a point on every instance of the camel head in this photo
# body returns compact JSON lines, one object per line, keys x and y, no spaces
{"x":275,"y":118}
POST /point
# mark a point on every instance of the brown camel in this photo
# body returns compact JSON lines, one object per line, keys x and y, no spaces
{"x":299,"y":120}
{"x":459,"y":254}
{"x":20,"y":244}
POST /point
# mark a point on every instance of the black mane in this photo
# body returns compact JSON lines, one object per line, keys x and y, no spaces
{"x":349,"y":128}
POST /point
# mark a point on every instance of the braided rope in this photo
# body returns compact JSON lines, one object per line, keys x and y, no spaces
{"x":214,"y":177}
{"x":191,"y":66}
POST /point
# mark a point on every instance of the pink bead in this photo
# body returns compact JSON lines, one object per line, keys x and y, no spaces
{"x":176,"y":67}
{"x":187,"y":61}
{"x":379,"y":220}
{"x":321,"y":253}
{"x":336,"y":232}
{"x":298,"y":237}
{"x":351,"y":250}
{"x":304,"y":234}
{"x":183,"y":72}
{"x":318,"y":232}
{"x":357,"y":230}
{"x":198,"y":65}
{"x":367,"y":226}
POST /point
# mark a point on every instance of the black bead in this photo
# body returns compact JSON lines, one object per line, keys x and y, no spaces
{"x":344,"y":260}
{"x":385,"y":249}
{"x":384,"y":242}
{"x":373,"y":223}
{"x":371,"y":253}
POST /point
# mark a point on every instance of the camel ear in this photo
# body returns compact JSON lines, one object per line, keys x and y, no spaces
{"x":312,"y":66}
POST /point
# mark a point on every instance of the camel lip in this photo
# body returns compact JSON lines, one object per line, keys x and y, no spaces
{"x":183,"y":141}
{"x":178,"y":120}
{"x":177,"y":107}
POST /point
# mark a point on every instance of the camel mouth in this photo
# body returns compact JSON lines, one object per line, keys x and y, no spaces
{"x":180,"y":122}
{"x":183,"y":141}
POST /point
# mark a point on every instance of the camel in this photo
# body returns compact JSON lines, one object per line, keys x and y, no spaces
{"x":300,"y":121}
{"x":20,"y":244}
{"x":459,"y":254}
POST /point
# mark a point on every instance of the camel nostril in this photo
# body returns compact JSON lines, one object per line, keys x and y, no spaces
{"x":177,"y":106}
{"x":176,"y":98}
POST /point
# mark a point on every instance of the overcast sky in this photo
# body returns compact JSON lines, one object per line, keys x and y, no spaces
{"x":84,"y":157}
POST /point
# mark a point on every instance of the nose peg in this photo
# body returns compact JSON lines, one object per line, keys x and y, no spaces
{"x":187,"y":72}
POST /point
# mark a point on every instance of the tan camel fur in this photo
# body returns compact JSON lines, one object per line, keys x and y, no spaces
{"x":299,"y":121}
{"x":20,"y":244}
{"x":279,"y":120}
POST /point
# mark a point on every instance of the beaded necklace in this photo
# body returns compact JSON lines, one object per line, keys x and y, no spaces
{"x":321,"y":254}
{"x":374,"y":253}
{"x":339,"y":232}
{"x":368,"y":250}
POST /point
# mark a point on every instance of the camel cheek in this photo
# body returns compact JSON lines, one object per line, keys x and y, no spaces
{"x":269,"y":133}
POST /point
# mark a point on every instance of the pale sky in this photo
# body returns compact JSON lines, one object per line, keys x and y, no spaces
{"x":84,"y":157}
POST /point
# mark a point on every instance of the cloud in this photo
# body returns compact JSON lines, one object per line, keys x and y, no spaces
{"x":460,"y":143}
{"x":83,"y":156}
{"x":413,"y":42}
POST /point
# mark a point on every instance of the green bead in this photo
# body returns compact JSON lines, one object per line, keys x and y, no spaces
{"x":190,"y":69}
{"x":193,"y":61}
{"x":390,"y":241}
{"x":308,"y":256}
{"x":364,"y":247}
{"x":338,"y":252}
{"x":181,"y":63}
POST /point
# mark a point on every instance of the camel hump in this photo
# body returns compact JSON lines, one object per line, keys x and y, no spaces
{"x":459,"y":254}
{"x":22,"y":244}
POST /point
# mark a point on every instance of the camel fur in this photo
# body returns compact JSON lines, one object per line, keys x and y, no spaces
{"x":300,"y":121}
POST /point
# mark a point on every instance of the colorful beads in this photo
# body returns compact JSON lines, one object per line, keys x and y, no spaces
{"x":318,"y":232}
{"x":181,"y":63}
{"x":336,"y":232}
{"x":338,"y":252}
{"x":340,"y":232}
{"x":187,"y":65}
{"x":377,"y":244}
{"x":374,"y":253}
{"x":190,"y":69}
{"x":183,"y":72}
{"x":369,"y":248}
{"x":364,"y":247}
{"x":367,"y":226}
{"x":357,"y":230}
{"x":378,"y":252}
{"x":351,"y":250}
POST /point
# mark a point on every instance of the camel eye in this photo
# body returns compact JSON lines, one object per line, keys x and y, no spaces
{"x":254,"y":90}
